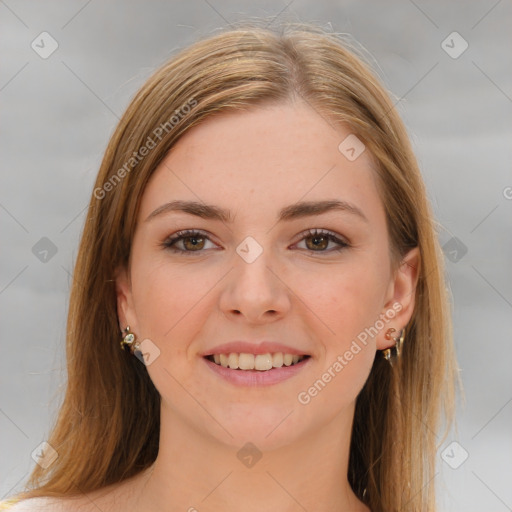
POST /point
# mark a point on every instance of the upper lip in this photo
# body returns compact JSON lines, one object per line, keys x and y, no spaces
{"x":263,"y":347}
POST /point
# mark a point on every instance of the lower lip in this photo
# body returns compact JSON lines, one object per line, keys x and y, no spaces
{"x":257,"y":377}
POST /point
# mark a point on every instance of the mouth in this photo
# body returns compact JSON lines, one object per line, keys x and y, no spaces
{"x":256,"y":362}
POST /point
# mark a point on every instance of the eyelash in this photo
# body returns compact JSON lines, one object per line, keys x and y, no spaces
{"x":171,"y":241}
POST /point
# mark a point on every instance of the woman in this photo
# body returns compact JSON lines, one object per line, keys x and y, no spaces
{"x":260,"y":244}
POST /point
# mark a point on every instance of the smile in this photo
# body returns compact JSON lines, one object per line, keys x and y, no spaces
{"x":258,"y":362}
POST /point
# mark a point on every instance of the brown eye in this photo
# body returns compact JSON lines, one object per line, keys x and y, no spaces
{"x":193,"y":243}
{"x":187,"y":242}
{"x":317,"y":242}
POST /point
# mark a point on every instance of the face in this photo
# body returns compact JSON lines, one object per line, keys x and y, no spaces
{"x":286,"y":250}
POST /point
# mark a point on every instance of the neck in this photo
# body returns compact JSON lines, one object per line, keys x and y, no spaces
{"x":194,"y":472}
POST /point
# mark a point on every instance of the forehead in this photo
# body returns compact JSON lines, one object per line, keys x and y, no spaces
{"x":264,"y":159}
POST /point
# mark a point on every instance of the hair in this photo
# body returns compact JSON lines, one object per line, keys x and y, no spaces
{"x":107,"y":429}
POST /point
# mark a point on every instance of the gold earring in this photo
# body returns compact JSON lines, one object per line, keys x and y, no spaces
{"x":393,"y":353}
{"x":129,"y":340}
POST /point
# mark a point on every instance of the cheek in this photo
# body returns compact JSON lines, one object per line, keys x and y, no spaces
{"x":348,"y":304}
{"x":168,"y":298}
{"x":346,"y":299}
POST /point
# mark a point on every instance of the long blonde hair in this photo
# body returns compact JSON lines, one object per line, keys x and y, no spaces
{"x":107,"y":429}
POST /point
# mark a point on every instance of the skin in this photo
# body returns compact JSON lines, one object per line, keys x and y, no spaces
{"x":253,"y":164}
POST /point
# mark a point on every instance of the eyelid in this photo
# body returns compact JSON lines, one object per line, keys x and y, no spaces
{"x":171,"y":240}
{"x":342,"y":241}
{"x":339,"y":240}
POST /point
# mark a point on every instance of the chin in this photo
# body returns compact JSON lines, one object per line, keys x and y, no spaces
{"x":267,"y":427}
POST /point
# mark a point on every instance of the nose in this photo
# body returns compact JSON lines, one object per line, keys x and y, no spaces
{"x":254,"y":292}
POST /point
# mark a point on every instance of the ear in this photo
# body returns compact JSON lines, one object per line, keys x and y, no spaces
{"x":400,"y":299}
{"x":125,"y":306}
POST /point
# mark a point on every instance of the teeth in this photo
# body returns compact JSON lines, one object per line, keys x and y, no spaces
{"x":263,"y":362}
{"x":245,"y":361}
{"x":260,"y":362}
{"x":233,"y":361}
{"x":277,"y":360}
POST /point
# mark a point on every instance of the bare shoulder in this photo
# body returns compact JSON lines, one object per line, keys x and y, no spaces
{"x":31,"y":505}
{"x":113,"y":498}
{"x":88,"y":503}
{"x":47,"y":504}
{"x":44,"y":504}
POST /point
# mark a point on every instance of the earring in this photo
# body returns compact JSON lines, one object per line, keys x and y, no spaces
{"x":129,"y":340}
{"x":393,"y":353}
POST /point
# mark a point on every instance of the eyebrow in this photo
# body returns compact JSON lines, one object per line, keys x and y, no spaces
{"x":291,"y":212}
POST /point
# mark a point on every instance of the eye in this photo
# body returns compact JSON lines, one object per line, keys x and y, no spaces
{"x":187,"y":241}
{"x":318,"y":240}
{"x":194,"y":241}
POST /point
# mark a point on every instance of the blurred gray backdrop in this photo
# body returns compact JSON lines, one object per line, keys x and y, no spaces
{"x":67,"y":72}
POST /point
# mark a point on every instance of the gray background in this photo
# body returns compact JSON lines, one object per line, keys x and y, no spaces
{"x":56,"y":117}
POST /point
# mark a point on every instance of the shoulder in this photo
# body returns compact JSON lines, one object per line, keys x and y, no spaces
{"x":114,"y":497}
{"x":32,"y":504}
{"x":42,"y":504}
